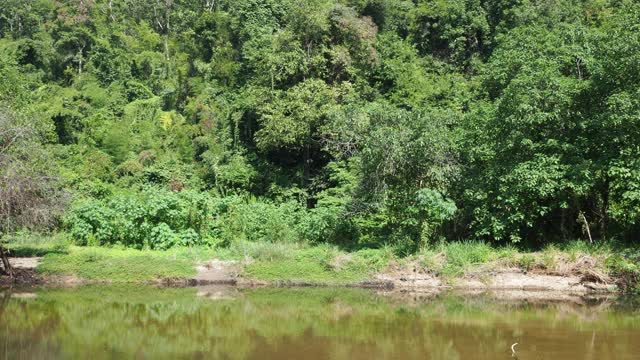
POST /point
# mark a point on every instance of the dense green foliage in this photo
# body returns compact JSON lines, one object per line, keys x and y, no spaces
{"x":354,"y":122}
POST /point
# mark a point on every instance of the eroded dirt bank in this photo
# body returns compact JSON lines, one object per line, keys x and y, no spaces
{"x":405,"y":278}
{"x":506,"y":279}
{"x":580,"y":274}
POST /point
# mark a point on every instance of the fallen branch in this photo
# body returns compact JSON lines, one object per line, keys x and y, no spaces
{"x":586,"y":226}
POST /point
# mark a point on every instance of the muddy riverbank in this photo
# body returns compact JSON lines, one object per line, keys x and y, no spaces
{"x":400,"y":278}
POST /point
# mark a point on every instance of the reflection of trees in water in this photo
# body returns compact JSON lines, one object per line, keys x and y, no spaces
{"x":121,"y":322}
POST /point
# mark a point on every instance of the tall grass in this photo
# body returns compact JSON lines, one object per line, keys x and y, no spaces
{"x":460,"y":256}
{"x":118,"y":265}
{"x":28,"y":244}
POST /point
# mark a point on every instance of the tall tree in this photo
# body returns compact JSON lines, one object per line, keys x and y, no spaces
{"x":29,"y":195}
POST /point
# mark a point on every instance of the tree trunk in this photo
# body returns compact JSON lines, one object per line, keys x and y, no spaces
{"x":563,"y":224}
{"x":5,"y":262}
{"x":80,"y":61}
{"x":306,"y":159}
{"x":604,"y":210}
{"x":166,"y":48}
{"x":306,"y":169}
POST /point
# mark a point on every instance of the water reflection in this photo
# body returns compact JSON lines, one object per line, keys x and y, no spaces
{"x":112,"y":322}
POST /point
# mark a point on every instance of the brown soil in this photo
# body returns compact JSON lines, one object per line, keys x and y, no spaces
{"x":217,"y":272}
{"x":580,"y":275}
{"x":503,"y":280}
{"x":23,"y":272}
{"x":24,"y":262}
{"x":22,"y":277}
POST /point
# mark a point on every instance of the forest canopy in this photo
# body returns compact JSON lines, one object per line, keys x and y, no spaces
{"x":359,"y":123}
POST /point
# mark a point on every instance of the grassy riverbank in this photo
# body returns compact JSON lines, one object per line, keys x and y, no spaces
{"x":327,"y":265}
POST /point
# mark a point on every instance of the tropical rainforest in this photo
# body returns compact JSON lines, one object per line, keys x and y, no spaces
{"x":152,"y":124}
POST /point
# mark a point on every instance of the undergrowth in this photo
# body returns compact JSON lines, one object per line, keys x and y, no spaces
{"x":301,"y":262}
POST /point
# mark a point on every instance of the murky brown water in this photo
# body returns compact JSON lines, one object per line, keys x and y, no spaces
{"x":109,"y":322}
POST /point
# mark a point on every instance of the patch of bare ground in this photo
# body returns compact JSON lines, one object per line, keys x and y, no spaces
{"x":516,"y":279}
{"x":410,"y":274}
{"x":24,"y":262}
{"x":544,"y":272}
{"x":23,"y":272}
{"x":217,"y":272}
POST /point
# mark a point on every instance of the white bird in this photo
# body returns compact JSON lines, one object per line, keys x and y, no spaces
{"x":513,"y":349}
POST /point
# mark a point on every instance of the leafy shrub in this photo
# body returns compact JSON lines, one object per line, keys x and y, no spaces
{"x":435,"y":209}
{"x":163,"y":236}
{"x":327,"y":223}
{"x":160,"y":219}
{"x":253,"y":220}
{"x":153,"y":218}
{"x":90,"y":219}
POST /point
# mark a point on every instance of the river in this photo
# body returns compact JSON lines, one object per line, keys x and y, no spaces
{"x":139,"y":322}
